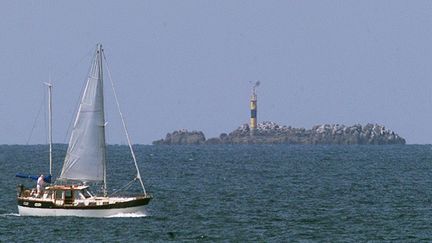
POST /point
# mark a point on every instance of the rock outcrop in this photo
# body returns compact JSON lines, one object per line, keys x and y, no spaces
{"x":272,"y":133}
{"x":182,"y":137}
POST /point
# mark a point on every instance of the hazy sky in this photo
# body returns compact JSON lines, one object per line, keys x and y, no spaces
{"x":187,"y":64}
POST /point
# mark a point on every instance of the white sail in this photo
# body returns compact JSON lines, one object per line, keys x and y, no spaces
{"x":85,"y":158}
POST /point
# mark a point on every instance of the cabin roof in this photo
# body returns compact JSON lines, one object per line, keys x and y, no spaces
{"x":66,"y":187}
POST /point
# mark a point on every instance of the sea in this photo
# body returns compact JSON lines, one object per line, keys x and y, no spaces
{"x":241,"y":193}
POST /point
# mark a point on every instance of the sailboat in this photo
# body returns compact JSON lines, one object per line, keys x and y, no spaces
{"x":84,"y":164}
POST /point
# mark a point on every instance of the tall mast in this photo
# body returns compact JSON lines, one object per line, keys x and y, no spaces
{"x":50,"y":123}
{"x":99,"y":57}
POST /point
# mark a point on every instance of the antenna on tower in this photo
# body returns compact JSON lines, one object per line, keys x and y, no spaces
{"x":257,"y":83}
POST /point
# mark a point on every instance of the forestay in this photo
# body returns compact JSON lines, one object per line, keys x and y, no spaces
{"x":85,"y":158}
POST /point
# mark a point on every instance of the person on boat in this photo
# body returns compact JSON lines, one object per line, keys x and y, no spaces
{"x":39,"y":185}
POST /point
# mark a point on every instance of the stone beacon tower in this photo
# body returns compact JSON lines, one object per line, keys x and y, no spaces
{"x":253,"y":108}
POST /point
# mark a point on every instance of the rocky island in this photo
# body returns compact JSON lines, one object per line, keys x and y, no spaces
{"x":272,"y":133}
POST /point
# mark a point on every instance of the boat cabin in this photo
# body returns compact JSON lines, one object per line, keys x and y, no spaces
{"x":67,"y":195}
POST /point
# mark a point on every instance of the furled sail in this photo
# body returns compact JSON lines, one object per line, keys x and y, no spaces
{"x":85,"y":158}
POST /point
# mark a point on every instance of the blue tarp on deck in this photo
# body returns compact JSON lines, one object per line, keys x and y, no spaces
{"x":47,"y":178}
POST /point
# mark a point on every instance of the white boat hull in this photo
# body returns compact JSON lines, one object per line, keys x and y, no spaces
{"x":95,"y":213}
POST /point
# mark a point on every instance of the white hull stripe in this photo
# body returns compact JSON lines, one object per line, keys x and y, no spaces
{"x":27,"y":211}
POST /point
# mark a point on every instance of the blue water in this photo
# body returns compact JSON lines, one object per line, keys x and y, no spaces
{"x":244,"y":193}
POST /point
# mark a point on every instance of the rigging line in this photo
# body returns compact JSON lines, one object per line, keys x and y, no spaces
{"x":124,"y":125}
{"x":124,"y":187}
{"x":35,"y":121}
{"x":67,"y":74}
